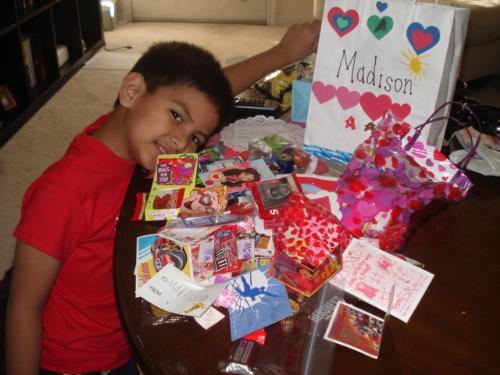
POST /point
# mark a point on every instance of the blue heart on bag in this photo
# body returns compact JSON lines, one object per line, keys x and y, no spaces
{"x":422,"y":39}
{"x":381,"y":6}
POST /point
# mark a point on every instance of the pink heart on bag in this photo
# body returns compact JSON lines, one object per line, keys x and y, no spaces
{"x":347,"y":99}
{"x":323,"y":92}
{"x":375,"y":106}
{"x":400,"y":111}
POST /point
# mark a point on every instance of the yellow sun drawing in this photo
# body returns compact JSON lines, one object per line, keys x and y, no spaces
{"x":414,"y":64}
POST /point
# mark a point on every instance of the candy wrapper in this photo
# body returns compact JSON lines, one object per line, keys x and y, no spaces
{"x":392,"y":175}
{"x":282,"y":156}
{"x":309,"y":233}
{"x":278,"y":85}
{"x":309,"y":242}
{"x":271,"y":195}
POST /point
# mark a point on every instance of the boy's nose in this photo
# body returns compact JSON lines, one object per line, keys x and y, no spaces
{"x":180,"y":142}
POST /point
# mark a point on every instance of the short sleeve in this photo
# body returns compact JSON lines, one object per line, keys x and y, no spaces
{"x":52,"y":219}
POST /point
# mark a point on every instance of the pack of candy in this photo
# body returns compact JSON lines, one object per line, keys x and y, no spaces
{"x":174,"y":176}
{"x":281,"y":155}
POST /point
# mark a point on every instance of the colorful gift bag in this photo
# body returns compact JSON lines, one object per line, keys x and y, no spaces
{"x":391,"y":175}
{"x":376,"y":56}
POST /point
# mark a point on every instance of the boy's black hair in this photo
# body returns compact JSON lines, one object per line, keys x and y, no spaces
{"x":180,"y":63}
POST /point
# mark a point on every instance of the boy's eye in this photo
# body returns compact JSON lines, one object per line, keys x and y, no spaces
{"x":195,"y":140}
{"x":176,"y":116}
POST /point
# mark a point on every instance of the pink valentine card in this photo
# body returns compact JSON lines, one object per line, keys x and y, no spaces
{"x":370,"y":274}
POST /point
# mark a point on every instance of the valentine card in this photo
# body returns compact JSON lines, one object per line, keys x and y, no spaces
{"x":370,"y":273}
{"x":259,"y":301}
{"x":144,"y":268}
{"x":174,"y":176}
{"x":173,"y":291}
{"x":198,"y":202}
{"x":237,"y":177}
{"x":312,"y":184}
{"x":176,"y":170}
{"x":355,"y":329}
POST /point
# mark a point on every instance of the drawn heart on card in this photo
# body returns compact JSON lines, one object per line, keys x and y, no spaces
{"x":375,"y":106}
{"x":400,"y":111}
{"x":323,"y":92}
{"x":380,"y":26}
{"x":343,"y":22}
{"x":422,"y":39}
{"x":381,"y":6}
{"x":347,"y":99}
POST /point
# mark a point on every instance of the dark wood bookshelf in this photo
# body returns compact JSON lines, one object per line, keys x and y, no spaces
{"x":76,"y":24}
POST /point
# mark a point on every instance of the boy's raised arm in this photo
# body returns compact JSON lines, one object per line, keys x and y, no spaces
{"x":299,"y":41}
{"x":34,"y":274}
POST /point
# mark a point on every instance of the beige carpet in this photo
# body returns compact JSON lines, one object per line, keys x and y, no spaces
{"x":90,"y":93}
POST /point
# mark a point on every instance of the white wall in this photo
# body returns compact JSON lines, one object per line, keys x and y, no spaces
{"x":124,"y":10}
{"x":278,"y":12}
{"x":287,"y":12}
{"x":233,"y":11}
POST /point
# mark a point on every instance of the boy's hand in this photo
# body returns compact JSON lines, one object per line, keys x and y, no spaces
{"x":300,"y":40}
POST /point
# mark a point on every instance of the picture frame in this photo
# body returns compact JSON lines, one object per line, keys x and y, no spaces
{"x":7,"y":99}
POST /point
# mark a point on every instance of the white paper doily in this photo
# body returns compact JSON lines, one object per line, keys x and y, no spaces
{"x":238,"y":134}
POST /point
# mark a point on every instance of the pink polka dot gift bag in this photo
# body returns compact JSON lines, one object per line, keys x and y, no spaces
{"x":391,"y":175}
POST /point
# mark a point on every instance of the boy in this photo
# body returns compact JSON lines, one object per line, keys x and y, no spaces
{"x":62,"y":315}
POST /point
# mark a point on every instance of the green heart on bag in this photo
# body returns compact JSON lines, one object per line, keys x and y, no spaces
{"x":342,"y":23}
{"x":380,"y":26}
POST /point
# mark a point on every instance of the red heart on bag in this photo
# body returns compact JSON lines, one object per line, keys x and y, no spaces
{"x":439,"y":156}
{"x":400,"y":111}
{"x":375,"y":106}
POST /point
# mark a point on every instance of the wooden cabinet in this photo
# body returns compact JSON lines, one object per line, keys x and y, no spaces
{"x":30,"y":33}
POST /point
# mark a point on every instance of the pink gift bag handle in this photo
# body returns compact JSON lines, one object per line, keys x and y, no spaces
{"x":418,"y":129}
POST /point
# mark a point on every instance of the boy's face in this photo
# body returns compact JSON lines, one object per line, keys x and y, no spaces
{"x":170,"y":120}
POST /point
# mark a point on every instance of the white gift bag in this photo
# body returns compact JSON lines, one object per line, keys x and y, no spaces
{"x":379,"y":56}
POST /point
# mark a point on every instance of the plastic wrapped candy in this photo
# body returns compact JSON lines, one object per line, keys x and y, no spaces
{"x":309,"y":242}
{"x":392,"y":175}
{"x":308,"y":232}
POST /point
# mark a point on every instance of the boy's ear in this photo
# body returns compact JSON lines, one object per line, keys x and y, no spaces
{"x":133,"y":86}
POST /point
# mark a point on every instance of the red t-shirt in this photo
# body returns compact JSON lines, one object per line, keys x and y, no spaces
{"x":70,"y":213}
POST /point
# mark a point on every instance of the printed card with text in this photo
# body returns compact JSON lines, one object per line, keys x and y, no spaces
{"x":374,"y":57}
{"x":173,"y":291}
